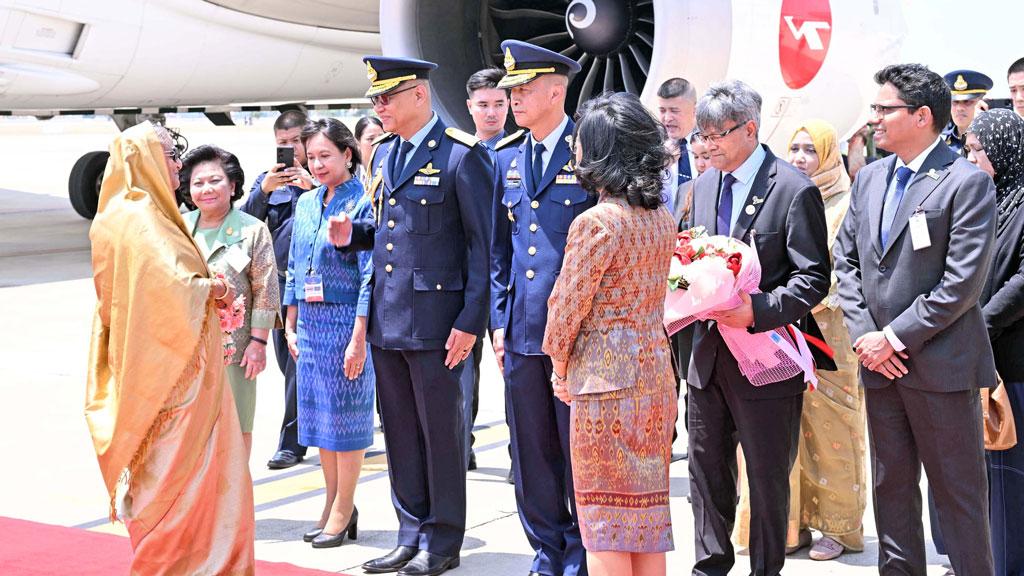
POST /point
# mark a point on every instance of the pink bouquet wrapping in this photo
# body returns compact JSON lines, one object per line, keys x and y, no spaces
{"x":706,"y":277}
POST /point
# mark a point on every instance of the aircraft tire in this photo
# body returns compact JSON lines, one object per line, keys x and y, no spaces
{"x":84,"y":183}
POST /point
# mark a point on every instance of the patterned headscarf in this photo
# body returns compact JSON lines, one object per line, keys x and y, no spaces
{"x":1001,"y":133}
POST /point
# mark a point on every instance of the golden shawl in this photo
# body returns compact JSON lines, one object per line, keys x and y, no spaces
{"x":153,"y":290}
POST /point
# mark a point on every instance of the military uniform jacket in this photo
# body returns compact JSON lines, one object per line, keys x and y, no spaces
{"x":530,"y":230}
{"x":430,"y":241}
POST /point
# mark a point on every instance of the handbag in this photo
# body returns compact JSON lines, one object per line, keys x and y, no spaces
{"x":1000,"y":429}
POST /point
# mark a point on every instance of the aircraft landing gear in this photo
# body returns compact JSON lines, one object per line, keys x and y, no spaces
{"x":84,"y":183}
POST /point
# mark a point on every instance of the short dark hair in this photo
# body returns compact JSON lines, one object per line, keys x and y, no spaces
{"x":210,"y":153}
{"x":336,"y":132}
{"x":918,"y":86}
{"x":290,"y":119}
{"x":485,"y":79}
{"x":676,"y":87}
{"x":1015,"y":68}
{"x":364,"y":123}
{"x":623,"y":150}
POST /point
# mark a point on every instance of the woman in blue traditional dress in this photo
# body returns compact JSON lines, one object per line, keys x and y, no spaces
{"x":328,"y":293}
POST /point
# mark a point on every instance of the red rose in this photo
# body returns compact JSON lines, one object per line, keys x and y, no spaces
{"x":733,"y":262}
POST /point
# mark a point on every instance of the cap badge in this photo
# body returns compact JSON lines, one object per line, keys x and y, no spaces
{"x":370,"y":72}
{"x":510,"y":62}
{"x":960,"y":83}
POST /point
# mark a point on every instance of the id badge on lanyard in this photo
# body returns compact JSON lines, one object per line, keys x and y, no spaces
{"x":314,"y":288}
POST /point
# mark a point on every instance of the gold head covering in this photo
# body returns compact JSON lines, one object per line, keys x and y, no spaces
{"x":153,"y":308}
{"x":831,"y":177}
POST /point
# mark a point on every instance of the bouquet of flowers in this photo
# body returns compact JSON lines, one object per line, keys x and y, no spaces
{"x":706,"y":276}
{"x":232,"y":317}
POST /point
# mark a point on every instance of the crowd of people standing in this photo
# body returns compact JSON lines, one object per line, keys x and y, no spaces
{"x":378,"y":260}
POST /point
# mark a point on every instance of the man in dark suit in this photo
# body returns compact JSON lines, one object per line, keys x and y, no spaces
{"x":911,"y":258}
{"x":753,"y":196}
{"x":488,"y":106}
{"x":272,"y":199}
{"x":538,"y":199}
{"x":430,"y":293}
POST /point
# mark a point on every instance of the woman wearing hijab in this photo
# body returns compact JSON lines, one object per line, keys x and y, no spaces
{"x":161,"y":415}
{"x":827,"y":483}
{"x":995,"y":144}
{"x":239,"y":247}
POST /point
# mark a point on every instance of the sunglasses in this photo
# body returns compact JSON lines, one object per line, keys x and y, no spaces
{"x":385,"y":99}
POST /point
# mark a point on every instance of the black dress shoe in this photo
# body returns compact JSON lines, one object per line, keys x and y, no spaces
{"x":283,"y":459}
{"x":472,"y":461}
{"x":309,"y":536}
{"x":392,"y":561}
{"x":426,"y":564}
{"x":325,"y":540}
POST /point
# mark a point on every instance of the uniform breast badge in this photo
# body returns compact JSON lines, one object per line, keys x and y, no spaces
{"x":426,"y":176}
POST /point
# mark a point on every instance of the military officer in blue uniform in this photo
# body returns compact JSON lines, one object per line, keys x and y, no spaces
{"x":967,"y":88}
{"x":429,"y":300}
{"x":537,"y":201}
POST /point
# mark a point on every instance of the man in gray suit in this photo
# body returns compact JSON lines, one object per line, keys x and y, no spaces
{"x":753,"y":196}
{"x":912,"y":258}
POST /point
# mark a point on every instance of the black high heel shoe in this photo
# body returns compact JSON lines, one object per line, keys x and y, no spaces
{"x":309,"y":536}
{"x":325,"y":540}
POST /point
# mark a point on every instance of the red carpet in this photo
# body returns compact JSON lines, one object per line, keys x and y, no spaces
{"x":33,"y":549}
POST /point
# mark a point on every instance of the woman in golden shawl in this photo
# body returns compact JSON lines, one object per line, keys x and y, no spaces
{"x":827,"y":484}
{"x":162,"y":418}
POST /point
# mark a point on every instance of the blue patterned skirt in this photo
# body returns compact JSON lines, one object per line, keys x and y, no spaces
{"x":334,"y":413}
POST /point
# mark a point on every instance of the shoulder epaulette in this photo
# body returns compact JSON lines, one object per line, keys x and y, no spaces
{"x":461,"y":137}
{"x":383,"y":138}
{"x":510,"y":139}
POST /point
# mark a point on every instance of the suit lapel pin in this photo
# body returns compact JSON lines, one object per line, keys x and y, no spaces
{"x":933,"y":174}
{"x":429,"y":169}
{"x":756,"y":200}
{"x":750,"y":210}
{"x":432,"y":144}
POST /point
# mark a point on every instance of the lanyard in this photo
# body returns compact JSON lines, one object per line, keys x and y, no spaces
{"x":316,"y":236}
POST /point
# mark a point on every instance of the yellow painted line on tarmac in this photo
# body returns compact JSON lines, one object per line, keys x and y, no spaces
{"x":313,"y":480}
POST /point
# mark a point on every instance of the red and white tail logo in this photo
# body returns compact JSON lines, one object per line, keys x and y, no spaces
{"x":805,"y":31}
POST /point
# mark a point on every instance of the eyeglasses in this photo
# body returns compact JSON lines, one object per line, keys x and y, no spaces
{"x":179,"y":147}
{"x":173,"y":154}
{"x":385,"y":99}
{"x":713,"y":138}
{"x":883,"y":109}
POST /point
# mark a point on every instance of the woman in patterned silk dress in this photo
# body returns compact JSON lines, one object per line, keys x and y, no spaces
{"x":328,"y":294}
{"x":611,"y":358}
{"x":239,"y":247}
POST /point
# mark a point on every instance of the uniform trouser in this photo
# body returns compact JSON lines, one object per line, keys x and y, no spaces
{"x":942,"y":431}
{"x":421,"y":411}
{"x":470,"y":382}
{"x":539,"y":425}
{"x":289,"y":439}
{"x":768,"y":428}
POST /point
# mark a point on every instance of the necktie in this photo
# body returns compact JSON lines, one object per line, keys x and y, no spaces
{"x":892,"y":203}
{"x":725,"y":206}
{"x":538,"y":165}
{"x":403,"y":152}
{"x":684,"y":162}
